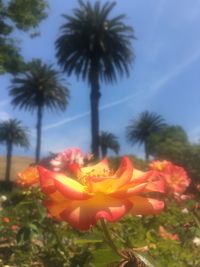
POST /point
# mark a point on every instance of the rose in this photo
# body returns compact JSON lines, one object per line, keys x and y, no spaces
{"x":175,"y":177}
{"x":28,"y":177}
{"x":98,"y":193}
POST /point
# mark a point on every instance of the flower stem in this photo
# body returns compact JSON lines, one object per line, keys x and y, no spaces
{"x":109,"y":239}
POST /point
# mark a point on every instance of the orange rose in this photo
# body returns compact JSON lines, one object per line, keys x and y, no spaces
{"x":98,"y":193}
{"x":28,"y":177}
{"x":175,"y":177}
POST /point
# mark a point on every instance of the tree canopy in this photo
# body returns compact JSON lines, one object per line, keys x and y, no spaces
{"x":24,"y":15}
{"x":168,"y":143}
{"x":140,"y":129}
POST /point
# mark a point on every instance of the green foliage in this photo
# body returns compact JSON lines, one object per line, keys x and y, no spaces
{"x":168,"y":141}
{"x":26,"y":14}
{"x":190,"y":159}
{"x":23,"y":15}
{"x":39,"y":240}
{"x":10,"y":59}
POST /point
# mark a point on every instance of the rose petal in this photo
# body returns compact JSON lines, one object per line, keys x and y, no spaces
{"x":46,"y":178}
{"x":128,"y":191}
{"x":96,"y":171}
{"x":70,"y":188}
{"x":52,"y":182}
{"x":84,"y":214}
{"x":111,"y":184}
{"x":145,"y":206}
{"x":156,"y":186}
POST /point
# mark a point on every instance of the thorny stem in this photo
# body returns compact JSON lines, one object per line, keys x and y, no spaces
{"x":109,"y":239}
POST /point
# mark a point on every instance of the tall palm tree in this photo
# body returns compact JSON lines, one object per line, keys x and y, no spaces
{"x":108,"y":141}
{"x":139,"y":130}
{"x":12,"y":133}
{"x":96,"y":48}
{"x":37,"y":88}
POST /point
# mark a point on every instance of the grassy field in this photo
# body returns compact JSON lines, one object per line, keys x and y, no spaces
{"x":18,"y":164}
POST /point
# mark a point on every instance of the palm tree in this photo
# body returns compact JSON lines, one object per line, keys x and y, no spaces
{"x":139,"y":130}
{"x":12,"y":133}
{"x":108,"y":141}
{"x":95,"y":48}
{"x":37,"y":88}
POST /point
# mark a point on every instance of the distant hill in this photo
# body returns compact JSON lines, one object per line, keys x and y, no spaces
{"x":18,"y":164}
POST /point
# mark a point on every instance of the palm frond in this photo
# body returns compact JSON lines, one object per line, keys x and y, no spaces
{"x":139,"y":129}
{"x":90,"y":37}
{"x":11,"y":131}
{"x":109,"y":140}
{"x":39,"y":85}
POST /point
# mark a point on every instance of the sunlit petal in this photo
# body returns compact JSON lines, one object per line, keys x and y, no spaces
{"x":119,"y":179}
{"x":97,"y":171}
{"x":70,"y":188}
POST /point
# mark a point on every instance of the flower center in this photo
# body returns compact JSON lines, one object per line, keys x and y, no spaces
{"x":92,"y":175}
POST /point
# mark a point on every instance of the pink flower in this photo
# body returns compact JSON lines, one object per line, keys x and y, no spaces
{"x":175,"y":177}
{"x":70,"y":161}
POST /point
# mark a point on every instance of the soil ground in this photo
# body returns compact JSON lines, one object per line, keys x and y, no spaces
{"x":18,"y":164}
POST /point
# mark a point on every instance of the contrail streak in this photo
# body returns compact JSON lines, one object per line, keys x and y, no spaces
{"x":152,"y":90}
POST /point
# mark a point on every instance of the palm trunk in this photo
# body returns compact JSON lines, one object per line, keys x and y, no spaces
{"x":146,"y":151}
{"x":104,"y":151}
{"x":94,"y":102}
{"x":39,"y":134}
{"x":8,"y":162}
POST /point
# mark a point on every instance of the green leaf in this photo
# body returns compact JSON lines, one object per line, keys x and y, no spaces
{"x":86,"y":241}
{"x":23,"y":235}
{"x":103,"y":257}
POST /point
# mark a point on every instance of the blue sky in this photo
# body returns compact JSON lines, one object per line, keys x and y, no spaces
{"x":164,"y":78}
